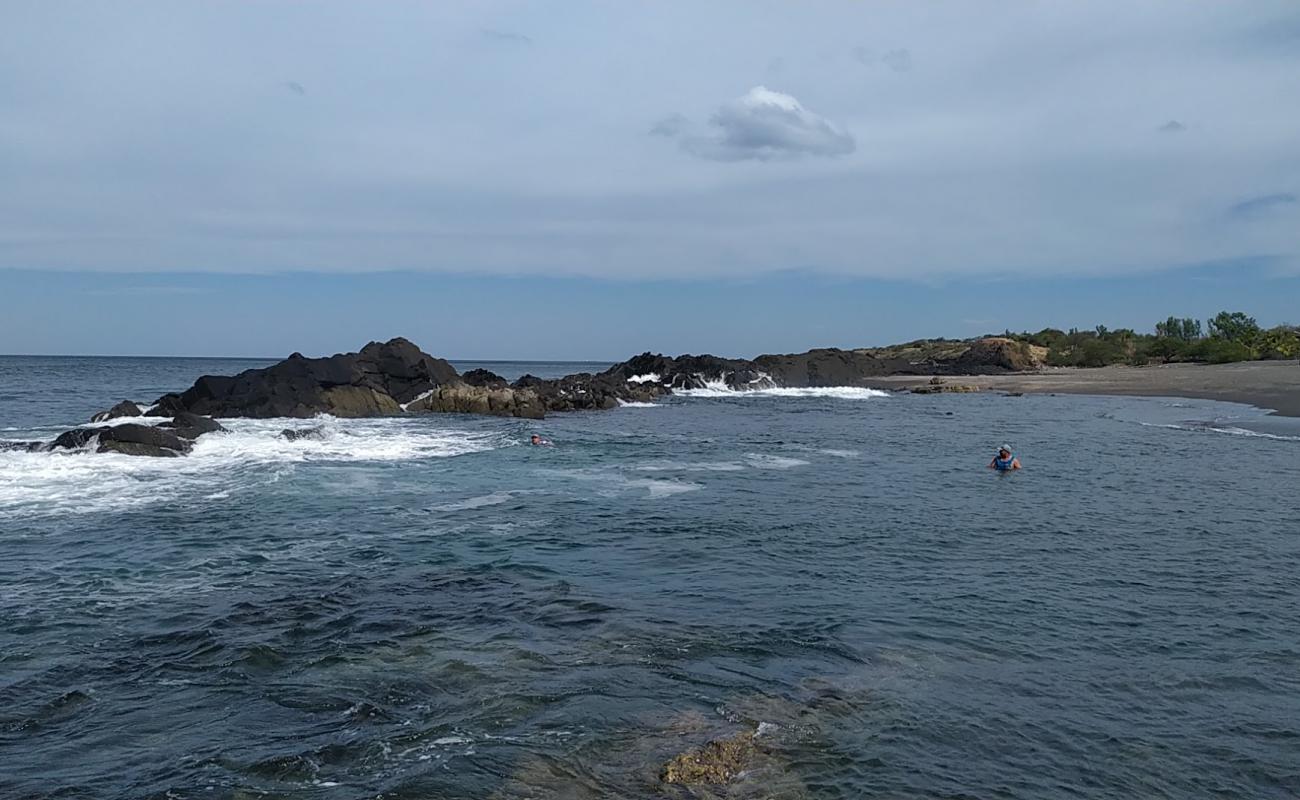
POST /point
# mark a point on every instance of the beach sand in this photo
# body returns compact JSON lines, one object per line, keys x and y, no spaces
{"x":1273,"y":385}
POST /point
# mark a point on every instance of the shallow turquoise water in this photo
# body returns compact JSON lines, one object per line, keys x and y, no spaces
{"x":428,"y":607}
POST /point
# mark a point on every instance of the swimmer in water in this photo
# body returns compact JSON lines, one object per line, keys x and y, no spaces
{"x":1005,"y":460}
{"x":538,"y":441}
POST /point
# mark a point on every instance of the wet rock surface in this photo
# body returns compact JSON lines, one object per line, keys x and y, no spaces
{"x":123,"y":409}
{"x":716,"y":762}
{"x":192,"y":426}
{"x":129,"y":439}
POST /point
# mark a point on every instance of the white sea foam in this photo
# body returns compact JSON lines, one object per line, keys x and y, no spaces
{"x":661,"y":488}
{"x":446,"y":740}
{"x":840,"y":453}
{"x":720,"y":389}
{"x":417,"y":398}
{"x":649,"y":377}
{"x":764,"y":461}
{"x":680,"y":466}
{"x":635,"y":404}
{"x":220,"y":466}
{"x":1210,"y":427}
{"x":471,"y":503}
{"x":613,"y":482}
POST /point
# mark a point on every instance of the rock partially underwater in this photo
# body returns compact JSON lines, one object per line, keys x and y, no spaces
{"x":164,"y":440}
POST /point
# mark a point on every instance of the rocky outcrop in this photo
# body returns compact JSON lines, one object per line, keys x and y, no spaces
{"x":396,"y":377}
{"x":462,"y":398}
{"x":372,"y":382}
{"x":123,"y":409}
{"x":996,"y":354}
{"x":484,"y":378}
{"x":22,"y":447}
{"x":825,"y":366}
{"x":587,"y":392}
{"x":129,"y":439}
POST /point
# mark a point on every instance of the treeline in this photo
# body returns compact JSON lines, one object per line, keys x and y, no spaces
{"x":1227,"y":337}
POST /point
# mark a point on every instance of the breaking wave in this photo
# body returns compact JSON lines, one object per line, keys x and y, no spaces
{"x":720,"y":389}
{"x":1218,"y":427}
{"x":253,"y":451}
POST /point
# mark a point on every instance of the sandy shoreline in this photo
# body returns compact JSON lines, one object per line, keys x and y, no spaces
{"x":1272,"y":385}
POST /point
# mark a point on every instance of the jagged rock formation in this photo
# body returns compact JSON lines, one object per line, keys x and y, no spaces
{"x":373,"y":382}
{"x":396,"y":377}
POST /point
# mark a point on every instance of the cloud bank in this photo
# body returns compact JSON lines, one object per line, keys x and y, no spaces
{"x":914,"y":141}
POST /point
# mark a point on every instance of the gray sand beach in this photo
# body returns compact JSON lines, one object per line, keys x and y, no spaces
{"x":1273,"y":385}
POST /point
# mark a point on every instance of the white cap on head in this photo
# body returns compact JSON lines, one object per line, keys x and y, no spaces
{"x":1005,"y":447}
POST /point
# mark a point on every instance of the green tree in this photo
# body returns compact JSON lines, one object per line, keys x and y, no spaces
{"x":1279,"y":342}
{"x":1184,"y":330}
{"x":1234,"y":327}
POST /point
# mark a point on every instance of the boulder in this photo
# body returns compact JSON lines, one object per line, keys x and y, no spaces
{"x":484,"y":378}
{"x":7,"y":445}
{"x":294,"y":434}
{"x":75,"y":438}
{"x":123,"y":409}
{"x":192,"y":426}
{"x":129,"y":439}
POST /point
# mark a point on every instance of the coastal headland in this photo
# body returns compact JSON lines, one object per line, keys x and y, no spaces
{"x":398,"y":378}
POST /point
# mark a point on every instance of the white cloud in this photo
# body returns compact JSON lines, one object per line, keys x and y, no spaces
{"x":765,"y":125}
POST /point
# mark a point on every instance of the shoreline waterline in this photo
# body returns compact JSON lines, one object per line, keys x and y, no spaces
{"x":1271,"y":386}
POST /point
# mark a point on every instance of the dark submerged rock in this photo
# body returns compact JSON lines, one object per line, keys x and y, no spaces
{"x":716,"y":762}
{"x":27,"y":447}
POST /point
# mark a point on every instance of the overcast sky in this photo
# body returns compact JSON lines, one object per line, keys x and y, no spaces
{"x":918,"y":142}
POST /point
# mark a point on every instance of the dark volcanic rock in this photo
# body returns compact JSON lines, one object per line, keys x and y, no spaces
{"x":123,"y":409}
{"x":586,"y":392}
{"x":294,"y":434}
{"x":75,"y":438}
{"x":130,"y":439}
{"x":192,"y":426}
{"x":397,"y":376}
{"x":484,"y":378}
{"x":372,"y":382}
{"x":829,"y":367}
{"x":29,"y":447}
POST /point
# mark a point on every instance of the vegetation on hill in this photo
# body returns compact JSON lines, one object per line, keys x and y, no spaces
{"x":1227,"y":337}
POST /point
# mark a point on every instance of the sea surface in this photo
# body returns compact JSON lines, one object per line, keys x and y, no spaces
{"x":428,"y":607}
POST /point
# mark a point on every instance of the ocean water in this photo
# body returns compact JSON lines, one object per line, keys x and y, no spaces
{"x":428,"y":607}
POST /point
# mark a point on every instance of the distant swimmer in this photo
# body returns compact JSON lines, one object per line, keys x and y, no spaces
{"x":1005,"y":460}
{"x":538,"y":441}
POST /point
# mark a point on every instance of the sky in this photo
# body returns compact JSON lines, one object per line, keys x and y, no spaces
{"x":590,"y":180}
